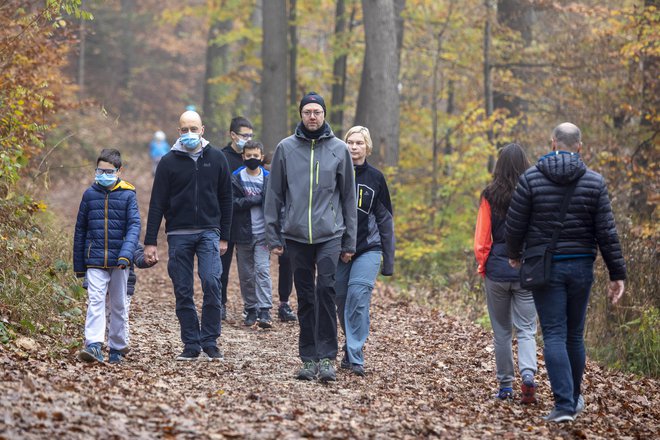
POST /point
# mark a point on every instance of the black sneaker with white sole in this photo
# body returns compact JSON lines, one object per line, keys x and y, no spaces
{"x":188,"y":355}
{"x":264,"y":320}
{"x":213,"y":353}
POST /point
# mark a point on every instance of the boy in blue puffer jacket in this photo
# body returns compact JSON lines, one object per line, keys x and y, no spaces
{"x":106,"y":236}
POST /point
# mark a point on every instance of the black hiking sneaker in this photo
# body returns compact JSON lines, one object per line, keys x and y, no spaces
{"x":358,"y":370}
{"x":250,"y":318}
{"x":285,"y":313}
{"x":308,"y":371}
{"x":213,"y":354}
{"x":188,"y":355}
{"x":344,"y":364}
{"x":559,"y":416}
{"x":264,"y":319}
{"x":326,"y":371}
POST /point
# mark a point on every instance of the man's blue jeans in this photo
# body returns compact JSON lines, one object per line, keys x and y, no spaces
{"x":355,"y":282}
{"x":562,"y":308}
{"x":182,"y":250}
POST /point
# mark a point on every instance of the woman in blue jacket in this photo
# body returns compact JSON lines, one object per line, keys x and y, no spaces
{"x":356,"y":276}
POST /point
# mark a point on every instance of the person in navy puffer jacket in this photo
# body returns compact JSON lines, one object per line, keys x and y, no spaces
{"x":106,"y":235}
{"x":589,"y":225}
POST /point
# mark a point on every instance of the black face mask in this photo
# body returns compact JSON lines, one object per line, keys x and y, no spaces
{"x":252,"y":163}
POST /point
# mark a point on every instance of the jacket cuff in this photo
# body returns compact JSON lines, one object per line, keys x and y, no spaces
{"x":128,"y":262}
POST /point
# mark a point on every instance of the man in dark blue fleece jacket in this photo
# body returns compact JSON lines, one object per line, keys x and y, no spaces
{"x":192,"y":190}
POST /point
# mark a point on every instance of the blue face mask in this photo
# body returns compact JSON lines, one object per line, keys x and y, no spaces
{"x":240,"y":143}
{"x":190,"y":140}
{"x":106,"y":180}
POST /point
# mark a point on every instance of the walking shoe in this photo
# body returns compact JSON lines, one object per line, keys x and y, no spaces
{"x":244,"y":313}
{"x":326,"y":371}
{"x":286,"y":314}
{"x":91,"y":353}
{"x":358,"y":370}
{"x":505,"y":393}
{"x":250,"y":318}
{"x":344,"y":364}
{"x":213,"y":353}
{"x":579,"y":406}
{"x":264,"y":319}
{"x":223,"y":312}
{"x":528,"y":389}
{"x":116,"y":357}
{"x":559,"y":416}
{"x":308,"y":371}
{"x":188,"y":354}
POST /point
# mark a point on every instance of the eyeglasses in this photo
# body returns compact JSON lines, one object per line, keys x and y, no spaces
{"x":316,"y":113}
{"x":101,"y":171}
{"x":245,"y":135}
{"x":187,"y":129}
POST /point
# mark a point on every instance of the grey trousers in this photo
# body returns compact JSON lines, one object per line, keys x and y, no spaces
{"x":253,"y":262}
{"x":511,"y":307}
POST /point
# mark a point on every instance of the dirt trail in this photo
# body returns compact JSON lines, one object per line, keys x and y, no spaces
{"x":429,"y":375}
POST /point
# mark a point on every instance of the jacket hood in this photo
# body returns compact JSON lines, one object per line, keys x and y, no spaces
{"x":178,"y":147}
{"x":562,"y":167}
{"x":327,"y":131}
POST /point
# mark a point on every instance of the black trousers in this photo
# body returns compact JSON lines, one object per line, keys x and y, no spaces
{"x":285,"y":279}
{"x":314,"y":268}
{"x":226,"y":265}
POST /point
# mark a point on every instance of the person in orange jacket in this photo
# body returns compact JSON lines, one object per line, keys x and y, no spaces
{"x":509,"y":306}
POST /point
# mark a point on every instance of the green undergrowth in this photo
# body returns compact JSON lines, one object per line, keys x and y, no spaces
{"x":39,"y":295}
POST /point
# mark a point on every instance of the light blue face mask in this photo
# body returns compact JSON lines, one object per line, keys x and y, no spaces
{"x":190,"y":140}
{"x":106,"y":180}
{"x":240,"y":143}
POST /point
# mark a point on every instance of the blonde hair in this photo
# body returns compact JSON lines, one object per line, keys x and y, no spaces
{"x":364,"y":131}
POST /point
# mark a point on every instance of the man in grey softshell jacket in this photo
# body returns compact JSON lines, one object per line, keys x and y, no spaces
{"x":310,"y":209}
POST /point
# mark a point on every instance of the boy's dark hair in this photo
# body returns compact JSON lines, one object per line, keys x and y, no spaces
{"x":238,"y":122}
{"x":253,"y":145}
{"x":110,"y":155}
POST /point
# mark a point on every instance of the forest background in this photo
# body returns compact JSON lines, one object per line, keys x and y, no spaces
{"x":442,"y":85}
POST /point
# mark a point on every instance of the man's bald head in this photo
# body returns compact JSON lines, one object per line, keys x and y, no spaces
{"x":190,"y":117}
{"x":567,"y":136}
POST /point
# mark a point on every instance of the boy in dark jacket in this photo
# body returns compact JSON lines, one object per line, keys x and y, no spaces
{"x":249,"y":233}
{"x":106,"y":235}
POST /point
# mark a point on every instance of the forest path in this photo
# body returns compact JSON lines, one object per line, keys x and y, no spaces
{"x":428,"y":375}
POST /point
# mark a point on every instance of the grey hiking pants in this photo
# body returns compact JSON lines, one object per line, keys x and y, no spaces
{"x":511,"y":307}
{"x":253,"y":262}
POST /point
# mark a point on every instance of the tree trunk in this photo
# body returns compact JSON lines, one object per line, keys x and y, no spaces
{"x":488,"y":80}
{"x":247,"y":100}
{"x":378,"y":99}
{"x":81,"y":57}
{"x":293,"y":59}
{"x":339,"y":67}
{"x":215,"y":122}
{"x":128,"y":37}
{"x":273,"y":77}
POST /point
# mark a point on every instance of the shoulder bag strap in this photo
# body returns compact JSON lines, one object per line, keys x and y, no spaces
{"x":562,"y":214}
